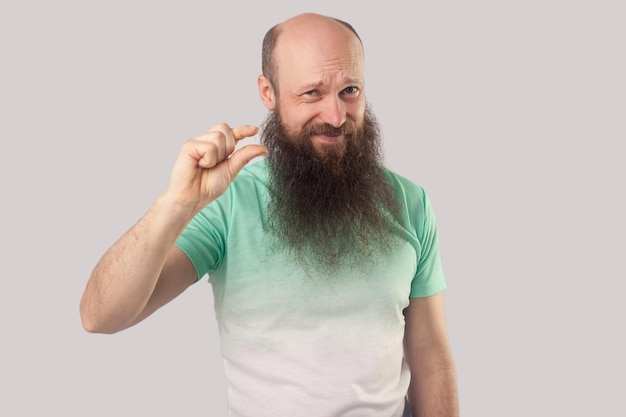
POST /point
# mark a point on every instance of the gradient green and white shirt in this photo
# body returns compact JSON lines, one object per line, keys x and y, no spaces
{"x":294,"y":344}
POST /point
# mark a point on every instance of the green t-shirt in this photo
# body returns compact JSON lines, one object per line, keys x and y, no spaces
{"x":293,"y":341}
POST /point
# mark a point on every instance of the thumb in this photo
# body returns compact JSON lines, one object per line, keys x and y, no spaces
{"x":241,"y":157}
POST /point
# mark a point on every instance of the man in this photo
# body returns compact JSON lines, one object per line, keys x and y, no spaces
{"x":324,"y":265}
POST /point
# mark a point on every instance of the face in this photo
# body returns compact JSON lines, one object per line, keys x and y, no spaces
{"x":320,"y":84}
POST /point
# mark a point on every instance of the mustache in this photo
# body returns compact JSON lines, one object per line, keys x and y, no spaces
{"x":325,"y":129}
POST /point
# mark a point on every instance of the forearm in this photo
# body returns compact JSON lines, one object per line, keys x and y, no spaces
{"x":125,"y":277}
{"x":433,"y":390}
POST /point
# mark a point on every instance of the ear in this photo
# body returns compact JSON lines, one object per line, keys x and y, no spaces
{"x":266,"y":92}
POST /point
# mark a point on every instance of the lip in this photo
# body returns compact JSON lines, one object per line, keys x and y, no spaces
{"x":329,"y":139}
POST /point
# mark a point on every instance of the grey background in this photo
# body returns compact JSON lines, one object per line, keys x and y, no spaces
{"x":510,"y":114}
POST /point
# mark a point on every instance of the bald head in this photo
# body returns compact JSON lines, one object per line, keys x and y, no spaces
{"x":300,"y":34}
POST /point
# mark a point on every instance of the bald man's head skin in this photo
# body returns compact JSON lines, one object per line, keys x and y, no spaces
{"x":330,"y":201}
{"x":268,"y":64}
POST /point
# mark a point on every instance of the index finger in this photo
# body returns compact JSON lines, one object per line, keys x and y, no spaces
{"x":244,"y":131}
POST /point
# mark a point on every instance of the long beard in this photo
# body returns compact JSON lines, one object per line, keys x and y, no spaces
{"x":331,"y":207}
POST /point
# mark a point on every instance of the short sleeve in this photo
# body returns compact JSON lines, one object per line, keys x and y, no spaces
{"x":429,"y":277}
{"x":203,"y":240}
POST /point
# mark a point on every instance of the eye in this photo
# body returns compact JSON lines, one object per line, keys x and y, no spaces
{"x":310,"y":96}
{"x":351,"y":91}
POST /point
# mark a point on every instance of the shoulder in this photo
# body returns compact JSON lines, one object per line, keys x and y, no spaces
{"x":407,"y":190}
{"x":415,"y":209}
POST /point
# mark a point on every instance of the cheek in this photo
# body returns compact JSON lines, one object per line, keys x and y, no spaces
{"x":297,"y":119}
{"x":356,"y":111}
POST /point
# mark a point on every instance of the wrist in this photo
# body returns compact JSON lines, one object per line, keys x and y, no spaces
{"x":178,"y":211}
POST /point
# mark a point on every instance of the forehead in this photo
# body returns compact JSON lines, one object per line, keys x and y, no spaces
{"x":318,"y":51}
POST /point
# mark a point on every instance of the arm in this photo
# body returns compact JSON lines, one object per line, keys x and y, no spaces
{"x":433,"y":389}
{"x":143,"y":270}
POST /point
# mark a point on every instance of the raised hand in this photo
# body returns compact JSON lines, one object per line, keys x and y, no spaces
{"x":208,"y":163}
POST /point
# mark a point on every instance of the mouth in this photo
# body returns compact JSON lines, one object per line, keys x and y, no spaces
{"x":330,"y":139}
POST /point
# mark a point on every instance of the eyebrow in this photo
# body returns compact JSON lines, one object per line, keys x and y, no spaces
{"x":316,"y":84}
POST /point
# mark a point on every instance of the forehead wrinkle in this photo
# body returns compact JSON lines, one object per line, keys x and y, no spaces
{"x":287,"y":56}
{"x":341,"y":63}
{"x":342,"y":71}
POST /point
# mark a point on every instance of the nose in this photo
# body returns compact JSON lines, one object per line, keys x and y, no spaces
{"x":333,"y":111}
